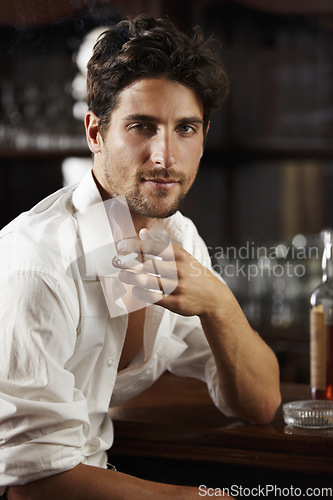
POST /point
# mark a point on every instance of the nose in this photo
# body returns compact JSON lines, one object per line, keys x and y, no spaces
{"x":163,"y":150}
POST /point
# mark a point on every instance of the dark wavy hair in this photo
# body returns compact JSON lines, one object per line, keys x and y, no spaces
{"x":150,"y":48}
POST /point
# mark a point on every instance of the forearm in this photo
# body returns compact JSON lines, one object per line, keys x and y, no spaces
{"x":85,"y":482}
{"x":247,"y":368}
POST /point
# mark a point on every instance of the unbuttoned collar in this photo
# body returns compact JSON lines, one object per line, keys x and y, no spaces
{"x":86,"y":193}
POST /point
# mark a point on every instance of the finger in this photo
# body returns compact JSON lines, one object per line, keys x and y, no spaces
{"x":148,"y":281}
{"x":141,"y":280}
{"x":129,"y":245}
{"x":150,"y":244}
{"x":149,"y":296}
{"x":168,"y":285}
{"x":153,"y":244}
{"x":127,"y":261}
{"x":165,"y":269}
{"x":145,"y":234}
{"x":149,"y":247}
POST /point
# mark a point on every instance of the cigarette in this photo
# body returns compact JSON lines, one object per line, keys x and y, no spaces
{"x":125,"y":258}
{"x":156,"y":291}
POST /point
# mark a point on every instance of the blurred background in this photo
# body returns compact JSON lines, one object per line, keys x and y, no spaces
{"x":265,"y":187}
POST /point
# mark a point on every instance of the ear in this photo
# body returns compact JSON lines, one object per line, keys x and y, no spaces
{"x":93,"y":135}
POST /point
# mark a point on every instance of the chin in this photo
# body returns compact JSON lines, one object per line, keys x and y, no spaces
{"x":155,"y":210}
{"x":158,"y":214}
{"x":165,"y":215}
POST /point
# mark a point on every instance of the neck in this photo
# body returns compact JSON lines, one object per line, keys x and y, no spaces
{"x":139,"y":221}
{"x":327,"y":261}
{"x":104,"y":194}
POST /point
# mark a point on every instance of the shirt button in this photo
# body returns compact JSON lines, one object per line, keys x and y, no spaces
{"x":109,"y":363}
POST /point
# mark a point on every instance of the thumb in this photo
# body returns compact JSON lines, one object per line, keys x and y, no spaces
{"x":145,"y":234}
{"x":155,"y":244}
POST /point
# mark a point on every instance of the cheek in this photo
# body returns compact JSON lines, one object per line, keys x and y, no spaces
{"x":132,"y":152}
{"x":191,"y":158}
{"x":192,"y":151}
{"x":200,"y":150}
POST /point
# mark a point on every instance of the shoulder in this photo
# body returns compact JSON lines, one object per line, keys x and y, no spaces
{"x":31,"y":241}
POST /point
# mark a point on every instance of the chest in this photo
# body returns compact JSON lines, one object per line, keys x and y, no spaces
{"x":134,"y":338}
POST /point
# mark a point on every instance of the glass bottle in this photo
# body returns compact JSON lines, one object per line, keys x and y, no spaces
{"x":321,"y":327}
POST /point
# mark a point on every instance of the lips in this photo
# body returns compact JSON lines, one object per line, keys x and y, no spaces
{"x":161,"y":183}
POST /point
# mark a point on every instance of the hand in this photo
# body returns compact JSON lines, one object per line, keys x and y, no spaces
{"x":247,"y":368}
{"x":186,"y":287}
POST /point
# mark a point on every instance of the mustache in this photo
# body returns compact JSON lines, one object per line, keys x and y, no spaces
{"x":161,"y":174}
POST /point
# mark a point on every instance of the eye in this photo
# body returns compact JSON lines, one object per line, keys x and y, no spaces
{"x":141,"y":127}
{"x":186,"y":129}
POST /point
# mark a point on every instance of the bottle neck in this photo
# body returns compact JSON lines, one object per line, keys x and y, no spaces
{"x":327,"y":262}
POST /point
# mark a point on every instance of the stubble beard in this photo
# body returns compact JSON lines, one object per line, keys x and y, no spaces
{"x":151,"y":207}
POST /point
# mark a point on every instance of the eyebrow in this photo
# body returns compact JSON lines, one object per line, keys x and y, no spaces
{"x":154,"y":119}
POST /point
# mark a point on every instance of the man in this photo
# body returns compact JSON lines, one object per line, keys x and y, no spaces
{"x":106,"y":285}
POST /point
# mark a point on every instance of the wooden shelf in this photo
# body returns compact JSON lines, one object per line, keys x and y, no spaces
{"x":42,"y":154}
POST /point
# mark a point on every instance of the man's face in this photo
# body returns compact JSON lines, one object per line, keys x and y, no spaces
{"x":151,"y":151}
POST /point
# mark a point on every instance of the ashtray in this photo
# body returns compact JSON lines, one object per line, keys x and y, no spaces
{"x":313,"y":414}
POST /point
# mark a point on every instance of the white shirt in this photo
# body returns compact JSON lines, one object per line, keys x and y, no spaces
{"x":60,"y":345}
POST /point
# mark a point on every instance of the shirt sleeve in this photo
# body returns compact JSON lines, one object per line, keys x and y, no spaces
{"x":43,"y":417}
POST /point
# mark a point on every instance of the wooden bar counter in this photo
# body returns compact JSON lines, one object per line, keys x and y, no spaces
{"x":173,"y":433}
